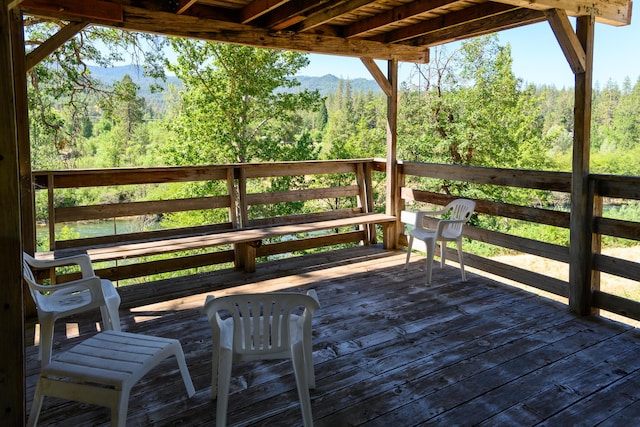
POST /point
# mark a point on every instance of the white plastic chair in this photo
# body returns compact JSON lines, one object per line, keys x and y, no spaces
{"x":261,"y":326}
{"x":65,"y":299}
{"x":447,"y":230}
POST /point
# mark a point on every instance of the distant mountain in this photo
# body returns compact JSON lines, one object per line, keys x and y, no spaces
{"x":329,"y":84}
{"x":114,"y":74}
{"x":325,"y":85}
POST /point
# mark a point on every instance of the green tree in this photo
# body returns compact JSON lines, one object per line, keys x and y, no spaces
{"x":61,"y":89}
{"x":232,"y":108}
{"x":474,"y":111}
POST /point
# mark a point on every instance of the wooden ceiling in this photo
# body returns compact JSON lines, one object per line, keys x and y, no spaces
{"x":373,"y":29}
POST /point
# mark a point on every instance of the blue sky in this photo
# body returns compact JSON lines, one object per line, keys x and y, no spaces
{"x":537,"y":57}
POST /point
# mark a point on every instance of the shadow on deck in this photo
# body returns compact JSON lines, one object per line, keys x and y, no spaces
{"x":388,"y":351}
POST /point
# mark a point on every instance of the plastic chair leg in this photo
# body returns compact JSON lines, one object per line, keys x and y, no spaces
{"x":408,"y":251}
{"x":224,"y":379}
{"x":300,"y":371}
{"x":308,"y":361}
{"x":36,"y":406}
{"x":443,"y":253}
{"x":464,"y":277}
{"x":46,"y":341}
{"x":431,"y":248}
{"x":119,"y":411}
{"x":184,"y":371}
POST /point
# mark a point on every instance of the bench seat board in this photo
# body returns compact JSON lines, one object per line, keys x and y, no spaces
{"x":234,"y":236}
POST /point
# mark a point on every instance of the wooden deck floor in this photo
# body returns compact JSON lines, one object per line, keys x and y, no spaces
{"x":389,"y":351}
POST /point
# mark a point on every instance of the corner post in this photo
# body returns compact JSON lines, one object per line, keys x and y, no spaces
{"x":12,"y":361}
{"x":392,"y":141}
{"x":581,"y":223}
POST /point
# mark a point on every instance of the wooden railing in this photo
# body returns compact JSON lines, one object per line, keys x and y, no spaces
{"x":350,"y":195}
{"x":238,"y":206}
{"x":601,"y":187}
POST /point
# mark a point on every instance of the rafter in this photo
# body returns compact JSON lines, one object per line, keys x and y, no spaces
{"x":257,"y":8}
{"x":510,"y":19}
{"x":327,"y":15}
{"x":200,"y":10}
{"x":184,"y":5}
{"x":444,"y":21}
{"x":397,"y":14}
{"x":293,"y":12}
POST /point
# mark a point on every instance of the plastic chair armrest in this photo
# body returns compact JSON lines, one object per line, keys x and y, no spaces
{"x":81,"y":260}
{"x":93,"y":284}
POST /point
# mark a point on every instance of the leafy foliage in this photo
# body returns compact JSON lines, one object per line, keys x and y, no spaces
{"x":230,"y":111}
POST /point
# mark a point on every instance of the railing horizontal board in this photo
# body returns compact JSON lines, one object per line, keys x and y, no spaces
{"x":149,"y":268}
{"x":524,"y":213}
{"x":615,"y":304}
{"x":617,"y":266}
{"x":301,"y":195}
{"x":306,"y":217}
{"x":617,"y":228}
{"x":310,"y":243}
{"x":129,"y":176}
{"x":622,"y":187}
{"x":520,"y":244}
{"x":264,"y":170}
{"x":142,"y":235}
{"x":128,"y":209}
{"x":530,"y":278}
{"x":522,"y":178}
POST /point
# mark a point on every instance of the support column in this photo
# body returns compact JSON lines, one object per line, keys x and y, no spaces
{"x":581,"y":224}
{"x":12,"y":360}
{"x":27,"y":197}
{"x":392,"y":141}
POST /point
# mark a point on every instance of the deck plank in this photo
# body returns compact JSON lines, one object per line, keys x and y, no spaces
{"x":388,"y":350}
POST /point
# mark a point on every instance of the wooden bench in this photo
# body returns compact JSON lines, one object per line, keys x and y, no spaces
{"x":245,"y":240}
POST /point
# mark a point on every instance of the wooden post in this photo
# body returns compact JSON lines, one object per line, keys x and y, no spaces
{"x":242,"y":252}
{"x":24,"y":147}
{"x":597,"y":203}
{"x":27,"y":197}
{"x":392,"y":164}
{"x":12,"y":360}
{"x":581,"y":224}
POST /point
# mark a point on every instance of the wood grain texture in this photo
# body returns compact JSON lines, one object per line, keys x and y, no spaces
{"x":387,"y":351}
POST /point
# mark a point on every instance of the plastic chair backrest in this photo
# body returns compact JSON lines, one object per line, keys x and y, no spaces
{"x":460,"y":212}
{"x":261,"y":322}
{"x":27,"y":272}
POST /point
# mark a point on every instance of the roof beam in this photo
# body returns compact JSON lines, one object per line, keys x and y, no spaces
{"x":54,"y":42}
{"x":612,"y":12}
{"x":87,"y":9}
{"x":138,"y":19}
{"x":567,"y":39}
{"x":396,"y":14}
